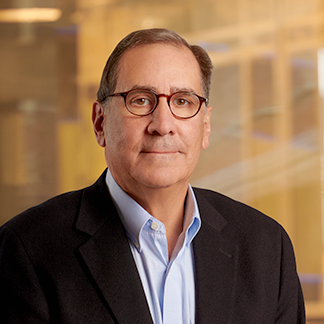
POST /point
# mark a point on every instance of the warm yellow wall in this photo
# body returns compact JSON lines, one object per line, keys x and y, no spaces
{"x":271,"y":175}
{"x":266,"y":143}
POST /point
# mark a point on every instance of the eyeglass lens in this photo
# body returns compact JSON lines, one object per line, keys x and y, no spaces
{"x":143,"y":102}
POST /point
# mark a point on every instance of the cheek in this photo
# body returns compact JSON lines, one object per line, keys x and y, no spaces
{"x":196,"y":137}
{"x":116,"y":150}
{"x":122,"y":136}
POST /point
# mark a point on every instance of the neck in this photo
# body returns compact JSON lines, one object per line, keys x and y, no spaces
{"x":166,"y":205}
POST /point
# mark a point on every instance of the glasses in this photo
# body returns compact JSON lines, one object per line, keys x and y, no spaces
{"x":143,"y":102}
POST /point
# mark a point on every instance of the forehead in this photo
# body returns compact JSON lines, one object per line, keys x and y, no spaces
{"x":160,"y":67}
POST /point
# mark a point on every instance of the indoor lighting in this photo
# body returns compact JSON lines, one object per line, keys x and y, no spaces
{"x":29,"y":11}
{"x":30,"y":15}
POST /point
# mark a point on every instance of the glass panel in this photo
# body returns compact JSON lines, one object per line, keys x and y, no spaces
{"x":305,"y":171}
{"x":266,"y":142}
{"x":263,"y":106}
{"x":219,"y":166}
{"x":261,"y":9}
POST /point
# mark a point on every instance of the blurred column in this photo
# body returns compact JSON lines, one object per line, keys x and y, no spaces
{"x":28,"y":94}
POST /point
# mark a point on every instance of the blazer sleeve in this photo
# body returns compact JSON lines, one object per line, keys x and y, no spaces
{"x":290,"y":307}
{"x":21,"y":297}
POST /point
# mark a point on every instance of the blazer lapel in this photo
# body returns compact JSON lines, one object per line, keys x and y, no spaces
{"x":108,"y":256}
{"x":216,"y":267}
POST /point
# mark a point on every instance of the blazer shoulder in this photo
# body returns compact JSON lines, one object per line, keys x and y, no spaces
{"x":52,"y":211}
{"x":57,"y":209}
{"x":238,"y":215}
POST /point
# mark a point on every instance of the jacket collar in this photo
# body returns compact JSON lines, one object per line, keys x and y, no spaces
{"x":109,"y":259}
{"x":216,"y":266}
{"x":108,"y":256}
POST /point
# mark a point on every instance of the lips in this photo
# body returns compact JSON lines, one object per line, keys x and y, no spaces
{"x":159,"y":152}
{"x":165,"y":147}
{"x":161,"y":149}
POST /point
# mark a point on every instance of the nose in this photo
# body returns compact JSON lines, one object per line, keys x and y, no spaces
{"x":162,"y":119}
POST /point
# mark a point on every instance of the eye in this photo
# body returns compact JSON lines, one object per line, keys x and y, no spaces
{"x":181,"y":102}
{"x":140,"y":101}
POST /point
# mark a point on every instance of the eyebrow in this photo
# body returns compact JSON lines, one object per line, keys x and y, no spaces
{"x":173,"y":89}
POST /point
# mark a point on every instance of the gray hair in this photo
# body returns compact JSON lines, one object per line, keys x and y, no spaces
{"x":151,"y":36}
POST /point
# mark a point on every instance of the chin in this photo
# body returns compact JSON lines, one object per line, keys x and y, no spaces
{"x":160,"y":180}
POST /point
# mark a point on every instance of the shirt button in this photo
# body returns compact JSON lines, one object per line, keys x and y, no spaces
{"x":154,"y":226}
{"x":137,"y":244}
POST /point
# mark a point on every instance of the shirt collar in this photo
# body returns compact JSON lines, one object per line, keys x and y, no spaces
{"x":134,"y":216}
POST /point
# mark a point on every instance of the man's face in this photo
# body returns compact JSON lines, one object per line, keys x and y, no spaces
{"x":157,"y":150}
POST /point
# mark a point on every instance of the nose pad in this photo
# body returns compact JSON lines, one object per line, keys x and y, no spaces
{"x":162,"y":121}
{"x":164,"y":103}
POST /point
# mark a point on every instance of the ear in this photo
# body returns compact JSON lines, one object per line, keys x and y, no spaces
{"x":207,"y":128}
{"x":98,"y":118}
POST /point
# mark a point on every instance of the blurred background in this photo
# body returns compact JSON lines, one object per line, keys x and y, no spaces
{"x":267,"y":95}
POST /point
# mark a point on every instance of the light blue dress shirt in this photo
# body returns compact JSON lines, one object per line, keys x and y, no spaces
{"x":169,"y":285}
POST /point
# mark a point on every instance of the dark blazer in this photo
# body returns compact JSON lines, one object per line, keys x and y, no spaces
{"x":69,"y":261}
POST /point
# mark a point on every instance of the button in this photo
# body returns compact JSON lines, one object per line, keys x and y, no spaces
{"x":137,"y":244}
{"x":154,"y":226}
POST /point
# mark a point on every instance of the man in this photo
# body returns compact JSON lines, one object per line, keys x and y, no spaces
{"x":141,"y":245}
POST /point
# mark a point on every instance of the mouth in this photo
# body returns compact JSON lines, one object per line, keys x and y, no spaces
{"x":164,"y":149}
{"x":160,"y":153}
